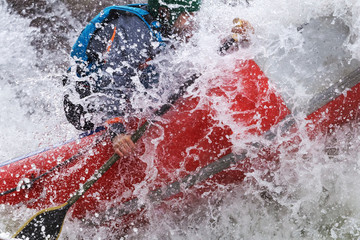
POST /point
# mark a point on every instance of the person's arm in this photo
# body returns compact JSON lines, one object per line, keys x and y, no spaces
{"x":242,"y":30}
{"x":240,"y":37}
{"x":122,"y":143}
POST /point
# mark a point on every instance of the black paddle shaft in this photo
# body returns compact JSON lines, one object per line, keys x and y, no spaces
{"x":172,"y":99}
{"x":134,"y":137}
{"x":166,"y":107}
{"x":47,"y":224}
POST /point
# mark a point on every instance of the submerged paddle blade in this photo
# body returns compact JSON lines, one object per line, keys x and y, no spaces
{"x":45,"y":225}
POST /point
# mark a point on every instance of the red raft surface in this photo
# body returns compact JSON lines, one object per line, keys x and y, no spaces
{"x":189,"y":150}
{"x":205,"y":141}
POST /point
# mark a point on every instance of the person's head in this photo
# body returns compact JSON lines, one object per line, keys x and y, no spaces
{"x":176,"y":13}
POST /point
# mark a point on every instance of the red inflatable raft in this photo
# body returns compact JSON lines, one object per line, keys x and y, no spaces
{"x":188,"y":150}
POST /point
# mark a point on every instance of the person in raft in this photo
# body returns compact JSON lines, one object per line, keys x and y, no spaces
{"x":116,"y":47}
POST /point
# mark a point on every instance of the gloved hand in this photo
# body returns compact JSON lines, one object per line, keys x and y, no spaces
{"x":242,"y":30}
{"x":240,"y":37}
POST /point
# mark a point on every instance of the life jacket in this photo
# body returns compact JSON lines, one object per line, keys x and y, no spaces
{"x":87,"y":52}
{"x":81,"y":51}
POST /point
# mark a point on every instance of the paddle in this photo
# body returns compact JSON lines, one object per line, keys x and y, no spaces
{"x":222,"y":51}
{"x":47,"y":223}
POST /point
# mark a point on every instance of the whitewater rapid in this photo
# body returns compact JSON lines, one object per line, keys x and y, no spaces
{"x":31,"y":107}
{"x":314,"y":194}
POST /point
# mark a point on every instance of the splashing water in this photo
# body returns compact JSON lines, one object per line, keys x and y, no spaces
{"x":312,"y":193}
{"x":30,"y":118}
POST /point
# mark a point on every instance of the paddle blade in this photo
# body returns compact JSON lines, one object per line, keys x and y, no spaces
{"x":45,"y":225}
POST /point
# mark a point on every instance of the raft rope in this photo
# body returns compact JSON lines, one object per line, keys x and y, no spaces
{"x":29,"y":184}
{"x":164,"y":108}
{"x":158,"y":195}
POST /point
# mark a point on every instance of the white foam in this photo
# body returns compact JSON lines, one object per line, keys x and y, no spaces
{"x":312,"y":195}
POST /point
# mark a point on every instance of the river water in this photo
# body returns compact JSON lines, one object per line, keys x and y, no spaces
{"x":314,"y":192}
